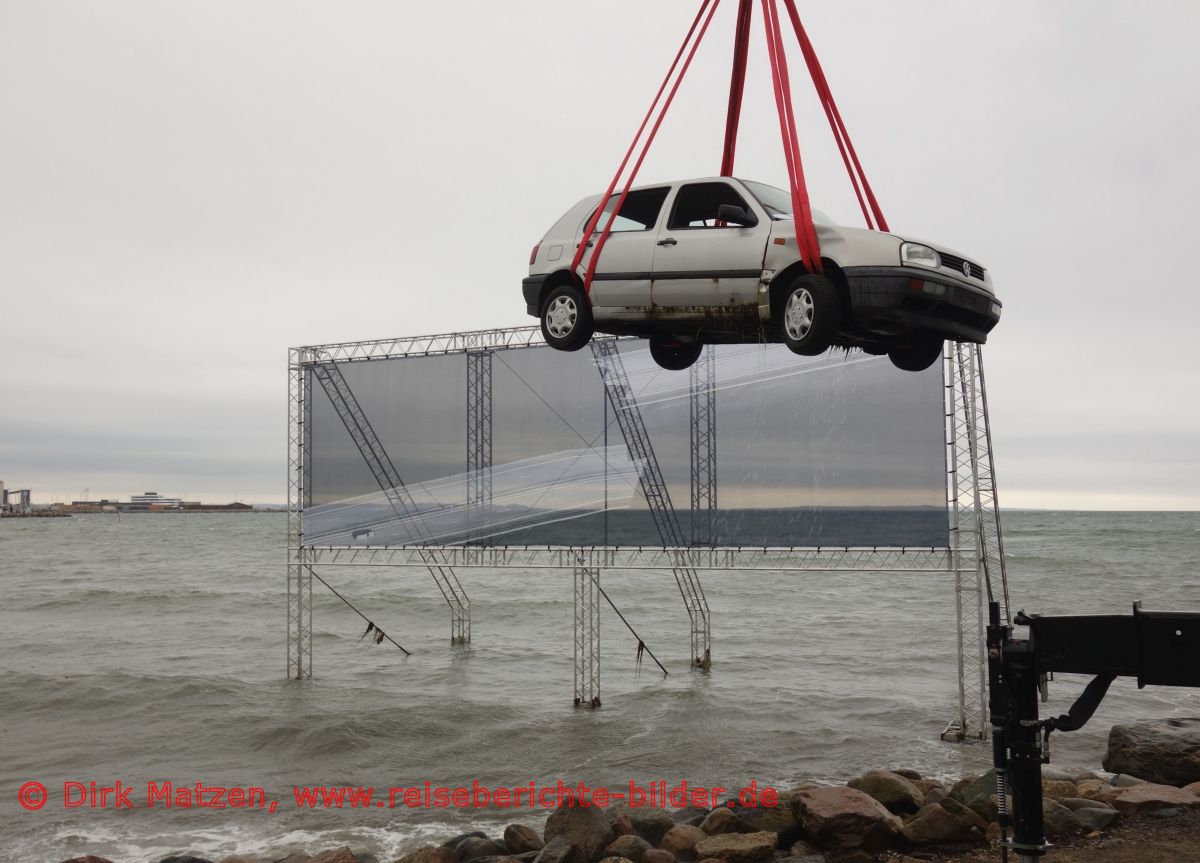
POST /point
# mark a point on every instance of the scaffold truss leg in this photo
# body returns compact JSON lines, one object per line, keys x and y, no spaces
{"x":624,"y":404}
{"x":350,"y":412}
{"x":704,"y":447}
{"x":976,"y":539}
{"x":299,"y":575}
{"x":587,"y":635}
{"x":479,"y":440}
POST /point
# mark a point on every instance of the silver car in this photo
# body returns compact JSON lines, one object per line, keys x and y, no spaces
{"x":715,"y":260}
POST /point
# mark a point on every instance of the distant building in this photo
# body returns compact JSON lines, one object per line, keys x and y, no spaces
{"x":152,"y":501}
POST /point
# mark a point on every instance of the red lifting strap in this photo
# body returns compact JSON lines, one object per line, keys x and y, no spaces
{"x":806,"y":236}
{"x":591,"y":226}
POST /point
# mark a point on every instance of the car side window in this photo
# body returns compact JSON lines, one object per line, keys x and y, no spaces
{"x":638,"y":213}
{"x":696,"y":205}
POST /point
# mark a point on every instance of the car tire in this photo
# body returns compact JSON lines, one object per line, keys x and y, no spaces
{"x":675,"y":356}
{"x":918,"y":354}
{"x":809,"y":315}
{"x":566,"y":319}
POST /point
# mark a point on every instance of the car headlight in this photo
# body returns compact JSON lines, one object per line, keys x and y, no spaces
{"x":923,"y":256}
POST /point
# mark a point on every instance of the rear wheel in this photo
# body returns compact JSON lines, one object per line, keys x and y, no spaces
{"x":809,"y":315}
{"x":566,"y":319}
{"x":917,"y":354}
{"x":675,"y":356}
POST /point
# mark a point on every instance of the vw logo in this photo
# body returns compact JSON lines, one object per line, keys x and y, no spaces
{"x":966,"y":269}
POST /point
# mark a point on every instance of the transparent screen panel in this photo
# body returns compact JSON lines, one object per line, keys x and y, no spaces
{"x":839,"y":450}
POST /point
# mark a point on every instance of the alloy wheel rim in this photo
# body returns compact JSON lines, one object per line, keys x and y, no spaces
{"x":798,"y":314}
{"x":561,"y":315}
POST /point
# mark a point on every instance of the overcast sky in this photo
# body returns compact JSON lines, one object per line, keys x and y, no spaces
{"x":188,"y":188}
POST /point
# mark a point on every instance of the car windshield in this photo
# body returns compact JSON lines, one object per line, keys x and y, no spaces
{"x":778,"y":203}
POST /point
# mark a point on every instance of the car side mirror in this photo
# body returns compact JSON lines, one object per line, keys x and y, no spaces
{"x":735,"y":215}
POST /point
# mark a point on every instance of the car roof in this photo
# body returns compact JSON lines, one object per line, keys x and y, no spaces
{"x":659,"y":185}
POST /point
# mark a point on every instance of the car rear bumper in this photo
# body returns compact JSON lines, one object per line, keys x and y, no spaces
{"x":887,"y":299}
{"x":531,"y":287}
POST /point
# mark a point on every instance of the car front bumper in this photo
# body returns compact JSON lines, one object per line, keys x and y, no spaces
{"x":531,"y":287}
{"x":888,"y":299}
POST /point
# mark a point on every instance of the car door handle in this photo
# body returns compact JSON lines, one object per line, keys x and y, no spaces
{"x":669,"y":241}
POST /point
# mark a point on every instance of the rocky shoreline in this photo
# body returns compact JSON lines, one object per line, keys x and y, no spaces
{"x":885,"y":815}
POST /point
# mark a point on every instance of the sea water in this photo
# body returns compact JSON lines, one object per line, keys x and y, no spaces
{"x":152,"y":649}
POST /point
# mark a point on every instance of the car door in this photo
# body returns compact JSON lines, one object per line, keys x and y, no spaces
{"x":700,"y":261}
{"x":622,"y":277}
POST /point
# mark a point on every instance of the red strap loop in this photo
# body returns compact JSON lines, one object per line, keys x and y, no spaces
{"x":806,"y":235}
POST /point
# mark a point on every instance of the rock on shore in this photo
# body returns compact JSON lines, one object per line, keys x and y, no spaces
{"x":1166,"y":751}
{"x":877,"y":816}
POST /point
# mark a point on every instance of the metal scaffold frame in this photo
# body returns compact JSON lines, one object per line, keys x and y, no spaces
{"x":299,"y":573}
{"x":976,"y":540}
{"x":587,"y":634}
{"x":355,"y":421}
{"x":702,"y":382}
{"x":624,"y":404}
{"x":479,"y":433}
{"x":974,"y":556}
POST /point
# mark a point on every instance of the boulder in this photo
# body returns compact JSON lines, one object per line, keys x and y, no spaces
{"x":908,"y":774}
{"x":976,"y":793}
{"x":629,"y":847}
{"x":1057,"y":820}
{"x":737,"y":847}
{"x":474,"y":847}
{"x":1095,"y":818}
{"x":191,"y":858}
{"x":967,"y":815}
{"x":681,"y":841}
{"x":585,"y":827}
{"x":461,"y":837}
{"x":1074,"y":803}
{"x":430,"y":854}
{"x":934,"y":825}
{"x":651,"y":824}
{"x":1058,"y":788}
{"x":1057,"y":775}
{"x":723,"y":820}
{"x":301,"y":857}
{"x":559,"y":850}
{"x":1193,"y":787}
{"x":897,"y":794}
{"x":365,"y":857}
{"x":688,"y":814}
{"x":1149,"y":798}
{"x":804,"y":849}
{"x":956,"y":790}
{"x":936,"y":794}
{"x":90,"y":858}
{"x":1124,"y":780}
{"x":615,"y":860}
{"x":621,"y":824}
{"x":657,"y":855}
{"x":779,"y":819}
{"x":1166,"y":752}
{"x":844,"y":819}
{"x":1096,"y":789}
{"x":518,"y":839}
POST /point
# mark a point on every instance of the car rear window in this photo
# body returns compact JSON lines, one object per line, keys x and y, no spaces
{"x":638,"y":213}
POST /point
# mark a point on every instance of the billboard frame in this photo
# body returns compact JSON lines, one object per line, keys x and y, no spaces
{"x":974,"y":555}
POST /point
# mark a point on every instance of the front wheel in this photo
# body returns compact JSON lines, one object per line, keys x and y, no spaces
{"x":566,"y":319}
{"x":809,"y":315}
{"x":918,"y":354}
{"x":675,"y":356}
